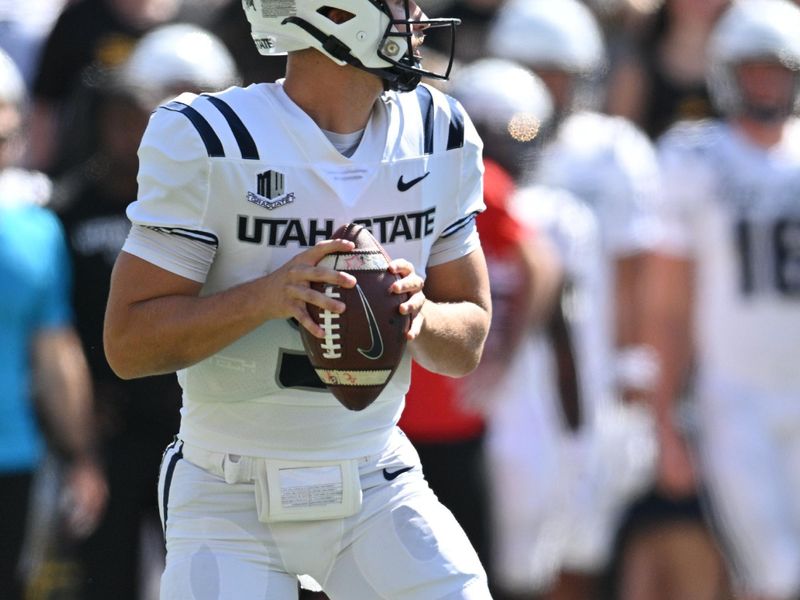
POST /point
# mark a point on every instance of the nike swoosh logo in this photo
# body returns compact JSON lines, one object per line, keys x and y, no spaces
{"x":407,"y":185}
{"x":375,"y":351}
{"x":392,"y":475}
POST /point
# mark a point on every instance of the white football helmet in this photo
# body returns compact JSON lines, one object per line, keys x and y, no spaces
{"x":175,"y":58}
{"x":556,"y":34}
{"x":752,"y":30}
{"x":372,"y":40}
{"x":510,"y":107}
{"x":496,"y":92}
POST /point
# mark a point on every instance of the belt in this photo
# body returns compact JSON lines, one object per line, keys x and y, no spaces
{"x":233,"y":468}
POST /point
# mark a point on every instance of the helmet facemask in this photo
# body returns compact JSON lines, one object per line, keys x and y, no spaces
{"x":406,"y":72}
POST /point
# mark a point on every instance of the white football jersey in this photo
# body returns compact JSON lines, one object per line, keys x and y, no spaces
{"x":571,"y":226}
{"x":612,"y":166}
{"x":248,"y":173}
{"x":734,"y":208}
{"x":527,"y":466}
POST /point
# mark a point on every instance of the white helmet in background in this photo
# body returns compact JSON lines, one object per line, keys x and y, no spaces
{"x":509,"y":105}
{"x":372,"y":39}
{"x":753,"y":30}
{"x":12,"y":86}
{"x":555,"y":34}
{"x":499,"y":93}
{"x":176,"y":58}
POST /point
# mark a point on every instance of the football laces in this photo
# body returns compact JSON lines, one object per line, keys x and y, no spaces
{"x":329,"y":322}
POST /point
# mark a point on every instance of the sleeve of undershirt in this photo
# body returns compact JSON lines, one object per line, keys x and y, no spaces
{"x":183,"y":256}
{"x":168,"y":217}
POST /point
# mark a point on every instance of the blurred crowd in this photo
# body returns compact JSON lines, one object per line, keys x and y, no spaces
{"x":633,"y":431}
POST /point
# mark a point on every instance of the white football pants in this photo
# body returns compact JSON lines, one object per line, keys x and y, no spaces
{"x":750,"y":454}
{"x":402,"y":544}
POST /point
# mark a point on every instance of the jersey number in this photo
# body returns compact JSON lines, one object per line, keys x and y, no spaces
{"x":774,"y":247}
{"x":295,"y":371}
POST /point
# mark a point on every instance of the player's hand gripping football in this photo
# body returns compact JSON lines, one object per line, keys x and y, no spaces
{"x":293,"y":284}
{"x":409,"y":283}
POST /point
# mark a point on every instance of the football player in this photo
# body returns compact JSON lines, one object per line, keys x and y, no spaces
{"x":447,"y":418}
{"x":732,"y":195}
{"x":535,"y":240}
{"x":609,"y":165}
{"x":271,"y":477}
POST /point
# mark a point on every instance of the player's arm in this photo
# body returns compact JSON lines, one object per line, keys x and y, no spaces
{"x":157,"y":321}
{"x":667,"y":328}
{"x":668,"y":296}
{"x":637,"y":363}
{"x":450,"y":319}
{"x":452,"y":316}
{"x":64,"y":399}
{"x":64,"y":390}
{"x":546,"y":279}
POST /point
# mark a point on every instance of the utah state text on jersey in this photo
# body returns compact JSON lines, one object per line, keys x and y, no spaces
{"x":282,"y":232}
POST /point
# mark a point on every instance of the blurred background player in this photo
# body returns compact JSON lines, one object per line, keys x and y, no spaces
{"x":88,"y":33}
{"x":532,"y":395}
{"x":731,"y":287}
{"x":539,"y":417}
{"x":141,"y":416}
{"x":23,"y":30}
{"x":667,"y":78}
{"x":610,"y":165}
{"x":474,"y":16}
{"x":43,"y":371}
{"x":444,"y":417}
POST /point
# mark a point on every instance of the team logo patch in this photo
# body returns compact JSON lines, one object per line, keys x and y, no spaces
{"x":270,"y":193}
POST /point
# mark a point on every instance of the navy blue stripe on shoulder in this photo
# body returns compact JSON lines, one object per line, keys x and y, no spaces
{"x":455,"y":137}
{"x":425,"y":99}
{"x":460,"y":224}
{"x":210,"y":139}
{"x":247,"y":145}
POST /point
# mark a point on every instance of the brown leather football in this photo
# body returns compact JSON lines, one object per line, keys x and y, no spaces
{"x":363,"y":345}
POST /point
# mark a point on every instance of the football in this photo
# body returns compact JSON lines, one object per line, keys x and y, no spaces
{"x":362,"y":346}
